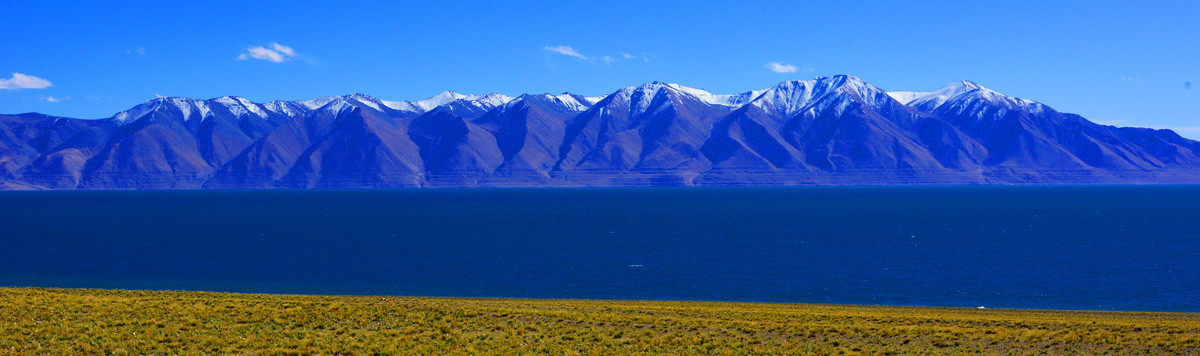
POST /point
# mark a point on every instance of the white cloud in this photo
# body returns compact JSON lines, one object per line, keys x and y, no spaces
{"x":22,"y":81}
{"x":1131,"y":79}
{"x":52,"y":99}
{"x":781,"y":68}
{"x":627,"y":55}
{"x":608,"y":59}
{"x":288,"y":51}
{"x":277,"y":53}
{"x":141,"y":51}
{"x":566,"y":51}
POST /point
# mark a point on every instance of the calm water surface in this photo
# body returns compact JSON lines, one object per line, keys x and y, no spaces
{"x":1091,"y":247}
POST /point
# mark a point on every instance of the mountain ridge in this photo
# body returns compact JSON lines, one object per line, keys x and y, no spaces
{"x":837,"y":130}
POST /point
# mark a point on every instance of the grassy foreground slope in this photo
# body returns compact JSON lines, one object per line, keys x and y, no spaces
{"x":64,"y":321}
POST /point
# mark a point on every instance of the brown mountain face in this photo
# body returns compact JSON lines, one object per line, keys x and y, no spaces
{"x":25,"y":138}
{"x":829,"y":131}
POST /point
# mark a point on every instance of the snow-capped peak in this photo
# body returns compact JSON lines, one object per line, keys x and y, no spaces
{"x":849,"y":84}
{"x":491,"y":100}
{"x":640,"y":97}
{"x":287,"y":108}
{"x":936,"y":98}
{"x":792,"y":97}
{"x":438,"y":100}
{"x":240,"y":106}
{"x":788,"y":97}
{"x":365,"y":100}
{"x":193,"y":109}
{"x":967,"y":91}
{"x":137,"y":112}
{"x":190,"y":109}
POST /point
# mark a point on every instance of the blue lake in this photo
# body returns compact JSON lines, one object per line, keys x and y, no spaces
{"x":1074,"y":247}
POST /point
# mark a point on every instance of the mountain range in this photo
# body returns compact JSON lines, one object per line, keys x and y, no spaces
{"x":835,"y":130}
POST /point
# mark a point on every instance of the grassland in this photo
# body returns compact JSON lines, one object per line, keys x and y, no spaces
{"x":68,"y":321}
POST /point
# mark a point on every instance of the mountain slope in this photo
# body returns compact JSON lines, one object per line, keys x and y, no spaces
{"x":829,"y":130}
{"x":24,"y":138}
{"x":528,"y":132}
{"x":654,"y":131}
{"x":361,"y":149}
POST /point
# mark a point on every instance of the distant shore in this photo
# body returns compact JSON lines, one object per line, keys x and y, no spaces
{"x":90,"y":321}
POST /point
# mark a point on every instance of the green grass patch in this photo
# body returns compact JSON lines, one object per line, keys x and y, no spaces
{"x":114,"y":322}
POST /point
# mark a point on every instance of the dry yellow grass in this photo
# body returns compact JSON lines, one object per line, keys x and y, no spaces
{"x":68,"y":321}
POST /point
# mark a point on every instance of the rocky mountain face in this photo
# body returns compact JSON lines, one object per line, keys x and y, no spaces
{"x":830,"y":131}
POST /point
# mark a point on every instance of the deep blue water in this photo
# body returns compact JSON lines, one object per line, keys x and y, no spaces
{"x":1082,"y":247}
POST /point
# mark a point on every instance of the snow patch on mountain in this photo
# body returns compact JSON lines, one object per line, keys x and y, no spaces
{"x":317,"y":103}
{"x":787,"y":98}
{"x":240,"y":106}
{"x":592,"y":100}
{"x":446,"y":97}
{"x":286,"y":108}
{"x":820,"y":94}
{"x":189,"y":108}
{"x":730,"y":100}
{"x":570,"y":101}
{"x":365,"y":100}
{"x":905,"y":97}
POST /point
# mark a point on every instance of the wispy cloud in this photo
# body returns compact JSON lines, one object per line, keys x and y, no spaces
{"x":22,"y":81}
{"x":566,"y":51}
{"x":786,"y":68}
{"x":605,"y":59}
{"x":274,"y":52}
{"x":141,"y":51}
{"x":1131,"y":79}
{"x":781,"y":68}
{"x":52,"y":99}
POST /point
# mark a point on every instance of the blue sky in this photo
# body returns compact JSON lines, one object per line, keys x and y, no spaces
{"x":1127,"y":64}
